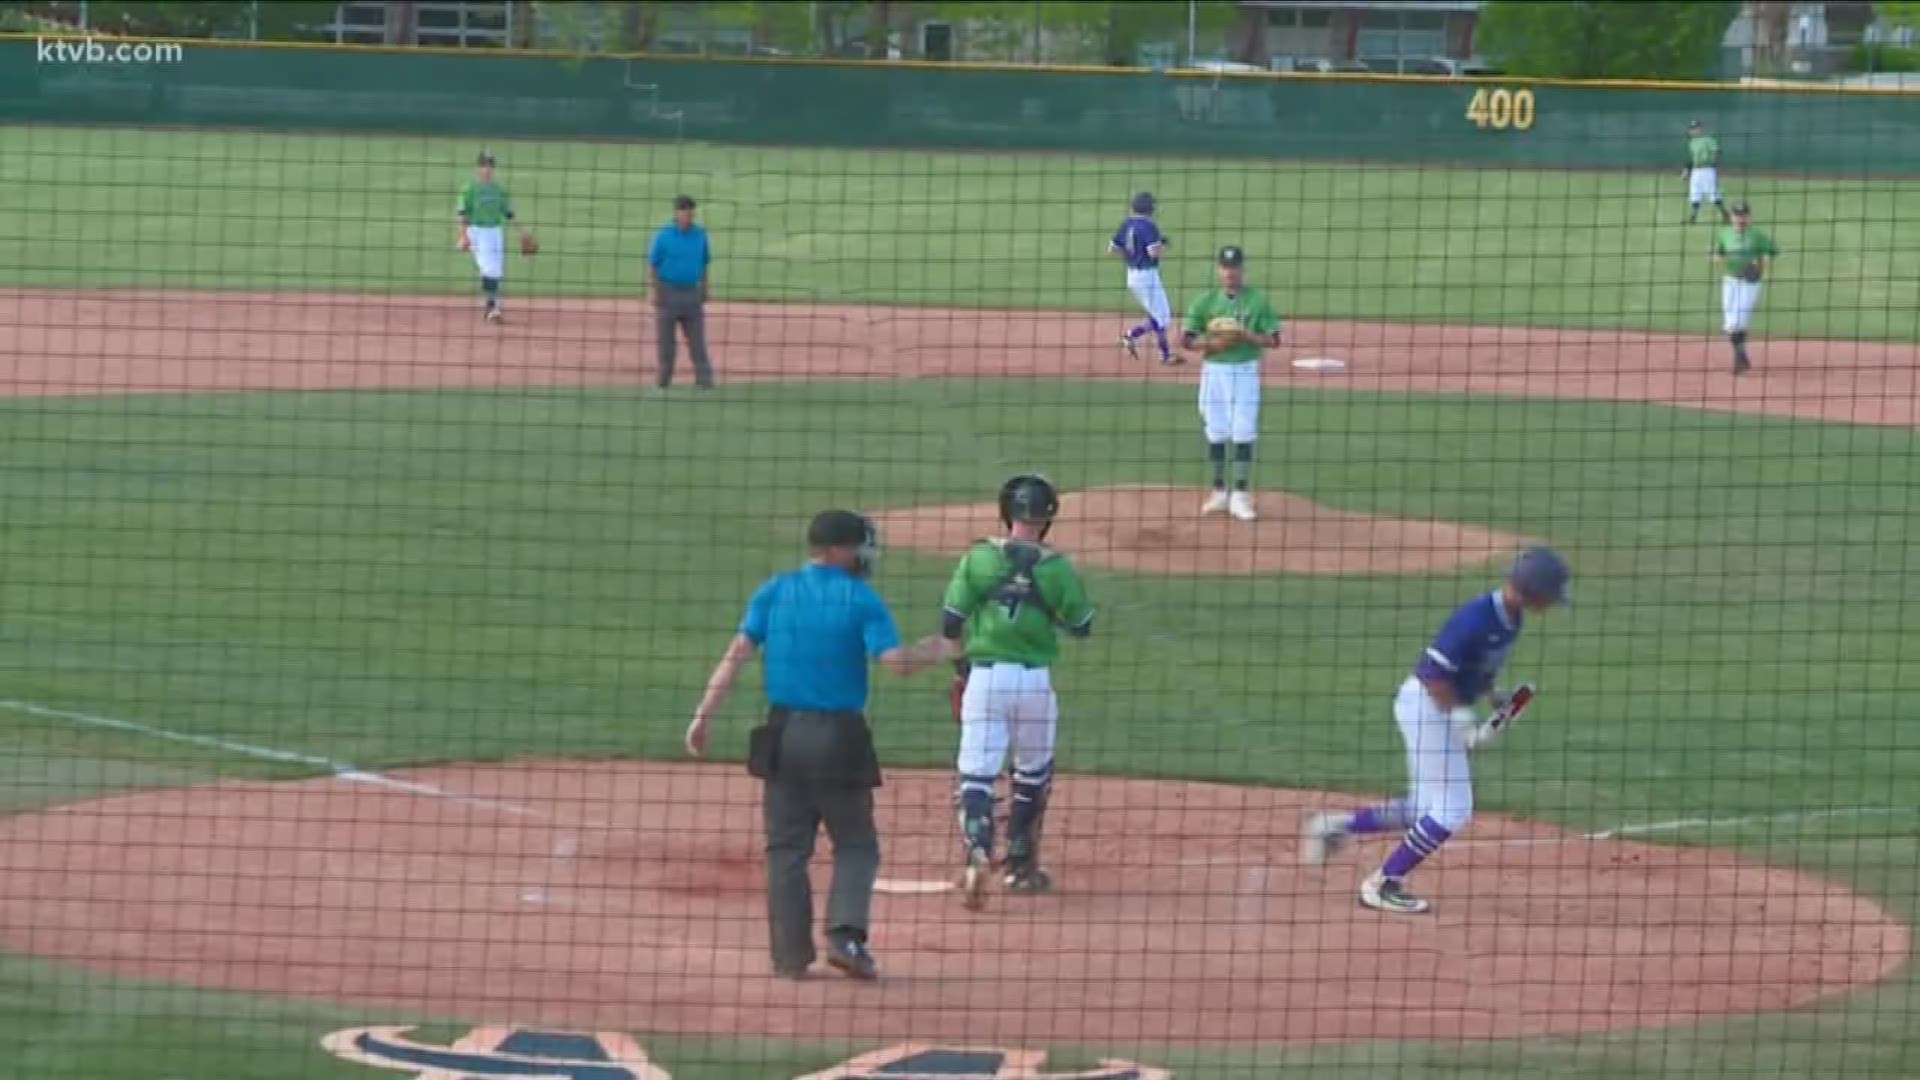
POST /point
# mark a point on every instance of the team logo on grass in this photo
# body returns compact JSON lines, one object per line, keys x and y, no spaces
{"x":525,"y":1054}
{"x":499,"y":1054}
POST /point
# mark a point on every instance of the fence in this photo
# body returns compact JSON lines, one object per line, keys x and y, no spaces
{"x":372,"y":587}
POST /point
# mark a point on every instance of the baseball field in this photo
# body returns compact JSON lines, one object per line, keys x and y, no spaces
{"x":349,"y":640}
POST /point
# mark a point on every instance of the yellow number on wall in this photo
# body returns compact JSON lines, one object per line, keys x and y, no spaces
{"x":1477,"y":108}
{"x":1501,"y":109}
{"x":1522,"y":109}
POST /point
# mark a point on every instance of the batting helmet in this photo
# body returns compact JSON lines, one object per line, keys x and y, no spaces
{"x":1029,"y":497}
{"x":1540,"y":573}
{"x":485,"y":158}
{"x":1143,"y":203}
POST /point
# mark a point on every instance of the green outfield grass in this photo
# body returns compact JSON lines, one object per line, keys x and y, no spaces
{"x":387,"y":578}
{"x":251,"y":210}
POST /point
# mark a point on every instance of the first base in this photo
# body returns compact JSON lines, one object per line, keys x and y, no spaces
{"x":1320,"y":363}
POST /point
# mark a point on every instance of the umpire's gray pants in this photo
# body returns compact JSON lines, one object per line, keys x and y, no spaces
{"x":680,"y":307}
{"x":810,"y":790}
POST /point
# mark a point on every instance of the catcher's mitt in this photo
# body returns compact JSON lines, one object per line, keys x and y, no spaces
{"x":529,"y":247}
{"x":1751,"y":271}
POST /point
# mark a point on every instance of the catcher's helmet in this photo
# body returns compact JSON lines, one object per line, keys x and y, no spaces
{"x":1029,"y":497}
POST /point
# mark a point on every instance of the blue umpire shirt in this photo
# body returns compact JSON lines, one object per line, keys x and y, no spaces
{"x":1132,"y":239}
{"x":817,"y":627}
{"x":680,"y":256}
{"x":1471,"y":647}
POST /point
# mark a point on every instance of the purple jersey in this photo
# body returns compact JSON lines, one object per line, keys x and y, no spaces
{"x":1136,"y":239}
{"x":1469,"y":650}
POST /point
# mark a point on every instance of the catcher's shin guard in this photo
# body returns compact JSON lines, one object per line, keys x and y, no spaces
{"x":1029,"y":811}
{"x":976,"y":814}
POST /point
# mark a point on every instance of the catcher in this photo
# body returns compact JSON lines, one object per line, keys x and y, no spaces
{"x":1010,"y":597}
{"x":483,"y":210}
{"x":1744,"y":254}
{"x":1232,"y":326}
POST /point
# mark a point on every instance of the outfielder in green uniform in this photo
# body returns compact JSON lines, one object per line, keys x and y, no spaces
{"x":483,"y":210}
{"x":1703,"y":171}
{"x":1744,"y":254}
{"x":1010,"y":597}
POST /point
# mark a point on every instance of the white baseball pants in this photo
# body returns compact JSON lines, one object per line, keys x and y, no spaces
{"x":1737,"y":300}
{"x":1230,"y":401}
{"x":1007,"y":707}
{"x":489,"y":244}
{"x":1703,"y":185}
{"x":1439,"y":781}
{"x":1146,"y":287}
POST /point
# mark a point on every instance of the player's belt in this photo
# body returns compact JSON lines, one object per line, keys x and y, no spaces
{"x":1009,"y":663}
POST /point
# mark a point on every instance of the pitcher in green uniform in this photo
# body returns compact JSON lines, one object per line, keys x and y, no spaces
{"x":1703,"y":171}
{"x":1743,"y":254}
{"x":1011,"y":597}
{"x":1232,"y":326}
{"x":484,"y":209}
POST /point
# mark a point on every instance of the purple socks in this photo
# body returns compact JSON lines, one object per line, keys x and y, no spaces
{"x":1387,"y":817}
{"x":1422,"y":840}
{"x":1159,"y":336}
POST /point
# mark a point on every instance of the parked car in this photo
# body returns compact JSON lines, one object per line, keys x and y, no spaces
{"x":1325,"y":66}
{"x":1444,"y":66}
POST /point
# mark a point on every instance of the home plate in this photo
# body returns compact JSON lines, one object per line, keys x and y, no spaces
{"x":910,"y":887}
{"x":1320,"y":363}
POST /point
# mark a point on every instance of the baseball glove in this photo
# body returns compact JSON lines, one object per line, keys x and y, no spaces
{"x":1222,"y":332}
{"x":1751,"y":271}
{"x":529,"y":247}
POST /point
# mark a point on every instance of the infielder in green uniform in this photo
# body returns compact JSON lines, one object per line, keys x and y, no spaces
{"x":1743,"y":254}
{"x":1010,"y":596}
{"x":484,"y":209}
{"x":1233,"y":326}
{"x":1703,"y":171}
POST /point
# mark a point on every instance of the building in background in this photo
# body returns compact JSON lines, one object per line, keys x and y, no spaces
{"x":1430,"y":37}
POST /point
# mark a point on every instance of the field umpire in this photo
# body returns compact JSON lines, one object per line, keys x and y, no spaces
{"x":817,"y":626}
{"x":677,"y":264}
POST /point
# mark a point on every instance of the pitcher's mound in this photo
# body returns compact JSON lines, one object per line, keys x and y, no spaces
{"x":1160,"y":529}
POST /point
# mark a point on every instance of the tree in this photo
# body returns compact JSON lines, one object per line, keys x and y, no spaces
{"x":1606,"y":39}
{"x":1903,"y":13}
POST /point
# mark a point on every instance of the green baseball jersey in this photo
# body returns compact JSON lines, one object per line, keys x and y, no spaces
{"x":1003,"y":589}
{"x":1736,"y":248}
{"x":485,"y":203}
{"x":1703,"y":151}
{"x":1248,"y":306}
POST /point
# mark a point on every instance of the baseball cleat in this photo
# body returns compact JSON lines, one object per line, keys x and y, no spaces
{"x":1241,"y":506}
{"x":1171,"y":360}
{"x":1132,"y":346}
{"x":851,"y":958}
{"x":1325,"y":835}
{"x":1741,"y":365}
{"x":1029,"y":880}
{"x":973,"y":880}
{"x":1390,"y":895}
{"x":493,"y":315}
{"x":1216,"y":503}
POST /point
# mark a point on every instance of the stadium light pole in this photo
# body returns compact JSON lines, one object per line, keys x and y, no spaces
{"x":1193,"y":27}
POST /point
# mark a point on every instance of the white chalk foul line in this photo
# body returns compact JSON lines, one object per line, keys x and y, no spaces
{"x":340,"y":770}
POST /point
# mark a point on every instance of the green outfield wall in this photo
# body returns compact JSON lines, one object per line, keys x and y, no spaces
{"x":892,"y":105}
